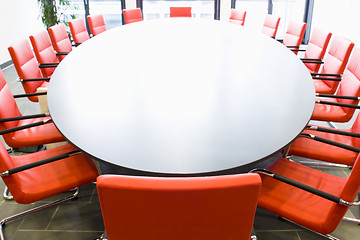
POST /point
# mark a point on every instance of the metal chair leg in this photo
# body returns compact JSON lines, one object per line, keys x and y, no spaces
{"x":353,"y":220}
{"x":7,"y":195}
{"x":22,"y":214}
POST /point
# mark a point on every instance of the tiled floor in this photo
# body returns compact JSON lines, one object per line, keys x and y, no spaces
{"x":81,"y":218}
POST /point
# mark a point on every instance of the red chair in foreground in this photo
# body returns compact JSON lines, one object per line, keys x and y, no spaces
{"x":308,"y":197}
{"x":294,"y":35}
{"x":341,"y":106}
{"x":27,"y":69}
{"x":96,"y":24}
{"x":271,"y":25}
{"x":316,"y":49}
{"x":78,"y":31}
{"x":237,"y":17}
{"x":180,"y":12}
{"x":221,"y":207}
{"x":60,"y":40}
{"x":336,"y":60}
{"x":44,"y":52}
{"x":132,"y":15}
{"x":36,"y":176}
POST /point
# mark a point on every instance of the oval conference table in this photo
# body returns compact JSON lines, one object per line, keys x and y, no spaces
{"x":181,"y":96}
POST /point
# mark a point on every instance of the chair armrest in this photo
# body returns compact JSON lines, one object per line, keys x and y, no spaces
{"x":29,"y":94}
{"x":34,"y":79}
{"x":337,"y":96}
{"x":338,"y":104}
{"x":62,"y":53}
{"x":2,"y":132}
{"x":312,"y":60}
{"x":23,"y":117}
{"x":300,"y":185}
{"x":38,"y":163}
{"x":334,"y":131}
{"x":330,"y":142}
{"x":48,"y":65}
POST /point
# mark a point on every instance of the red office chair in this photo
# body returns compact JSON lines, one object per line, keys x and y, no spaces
{"x":60,"y":40}
{"x":316,"y":49}
{"x":36,"y":176}
{"x":132,"y":15}
{"x":27,"y":68}
{"x":43,"y":132}
{"x":221,"y":207}
{"x":294,"y":34}
{"x":308,"y":197}
{"x":96,"y":24}
{"x":341,"y":106}
{"x":78,"y":31}
{"x":44,"y":52}
{"x":327,"y":81}
{"x":180,"y":12}
{"x":271,"y":25}
{"x":237,"y":17}
{"x":334,"y":146}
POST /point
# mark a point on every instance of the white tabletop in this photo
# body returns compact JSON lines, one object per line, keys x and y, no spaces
{"x":181,"y":96}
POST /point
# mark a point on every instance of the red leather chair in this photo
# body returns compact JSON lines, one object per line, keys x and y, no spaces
{"x":60,"y":40}
{"x":63,"y":169}
{"x":27,"y":68}
{"x":132,"y":15}
{"x":335,"y":146}
{"x":221,"y":207}
{"x":308,"y":197}
{"x":334,"y":65}
{"x":37,"y":135}
{"x":316,"y":49}
{"x":237,"y":16}
{"x":180,"y":12}
{"x":294,"y":35}
{"x":78,"y":31}
{"x":96,"y":24}
{"x":341,"y":106}
{"x":44,"y":52}
{"x":271,"y":25}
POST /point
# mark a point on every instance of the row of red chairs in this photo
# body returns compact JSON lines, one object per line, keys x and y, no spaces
{"x":301,"y":194}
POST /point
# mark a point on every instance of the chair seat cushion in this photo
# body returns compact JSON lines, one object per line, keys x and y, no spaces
{"x":46,"y":133}
{"x":322,"y":87}
{"x":301,"y":207}
{"x":50,"y":179}
{"x":325,"y":112}
{"x":309,"y":148}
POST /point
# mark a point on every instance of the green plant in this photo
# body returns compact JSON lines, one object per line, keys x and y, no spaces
{"x":50,"y":11}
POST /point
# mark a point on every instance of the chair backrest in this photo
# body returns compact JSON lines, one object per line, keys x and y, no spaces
{"x":44,"y":51}
{"x":8,"y":106}
{"x":78,"y":30}
{"x":26,"y":66}
{"x":336,"y":59}
{"x":220,"y":207}
{"x":60,"y":39}
{"x":180,"y":11}
{"x":316,"y":48}
{"x":350,"y":83}
{"x":271,"y":25}
{"x":132,"y":15}
{"x":294,"y":33}
{"x":47,"y":180}
{"x":96,"y":24}
{"x":237,"y":16}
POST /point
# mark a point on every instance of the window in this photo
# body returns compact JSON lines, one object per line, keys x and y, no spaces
{"x":153,"y":9}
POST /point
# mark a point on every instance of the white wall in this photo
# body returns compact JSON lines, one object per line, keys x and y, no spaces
{"x":18,"y":20}
{"x":339,"y":17}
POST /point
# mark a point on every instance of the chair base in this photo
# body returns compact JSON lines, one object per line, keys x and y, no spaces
{"x":22,"y":214}
{"x":7,"y":195}
{"x":353,"y":220}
